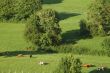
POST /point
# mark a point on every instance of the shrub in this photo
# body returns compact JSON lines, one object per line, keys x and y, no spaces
{"x":75,"y":66}
{"x":25,"y":8}
{"x":106,"y":45}
{"x":70,"y":49}
{"x":96,"y":30}
{"x":84,"y":28}
{"x":69,"y":64}
{"x":42,"y":29}
{"x":77,"y":49}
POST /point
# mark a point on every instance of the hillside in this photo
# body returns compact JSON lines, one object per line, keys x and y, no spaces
{"x":70,"y":13}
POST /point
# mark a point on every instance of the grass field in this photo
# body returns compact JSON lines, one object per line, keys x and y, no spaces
{"x":70,"y":13}
{"x":27,"y":65}
{"x":11,"y":37}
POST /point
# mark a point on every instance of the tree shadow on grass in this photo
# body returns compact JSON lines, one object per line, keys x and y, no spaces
{"x":101,"y":71}
{"x":73,"y":36}
{"x":16,"y":53}
{"x":51,"y":1}
{"x":65,"y":15}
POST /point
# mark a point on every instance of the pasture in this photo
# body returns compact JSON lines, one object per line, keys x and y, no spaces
{"x":70,"y":13}
{"x":18,"y":64}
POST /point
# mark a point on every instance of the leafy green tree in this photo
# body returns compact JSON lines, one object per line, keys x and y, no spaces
{"x":98,"y":20}
{"x":42,"y":29}
{"x":7,"y":9}
{"x":69,"y":64}
{"x":25,"y":8}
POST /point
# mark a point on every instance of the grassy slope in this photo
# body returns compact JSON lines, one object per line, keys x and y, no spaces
{"x":11,"y":37}
{"x":31,"y":65}
{"x":70,"y":12}
{"x":77,"y":9}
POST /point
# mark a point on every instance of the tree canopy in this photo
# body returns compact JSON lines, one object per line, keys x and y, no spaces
{"x":98,"y":18}
{"x":43,"y":29}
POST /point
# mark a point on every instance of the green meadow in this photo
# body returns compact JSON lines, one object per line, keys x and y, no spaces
{"x":70,"y":13}
{"x":27,"y":65}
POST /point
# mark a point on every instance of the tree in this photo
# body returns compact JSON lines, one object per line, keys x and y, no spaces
{"x":7,"y":9}
{"x":98,"y":20}
{"x":42,"y":29}
{"x":69,"y":64}
{"x":25,"y":8}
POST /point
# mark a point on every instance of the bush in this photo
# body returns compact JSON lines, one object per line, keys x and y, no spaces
{"x":71,"y":49}
{"x":25,"y":8}
{"x":69,"y":64}
{"x":96,"y":30}
{"x":7,"y":11}
{"x":106,"y":45}
{"x":84,"y":28}
{"x":77,"y":49}
{"x":42,"y":29}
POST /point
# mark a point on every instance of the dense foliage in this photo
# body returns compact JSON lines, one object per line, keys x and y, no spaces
{"x":42,"y":29}
{"x":7,"y":9}
{"x":98,"y":20}
{"x":18,"y":9}
{"x":69,"y":64}
{"x":25,"y":8}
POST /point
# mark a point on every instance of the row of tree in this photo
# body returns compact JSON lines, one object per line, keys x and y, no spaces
{"x":43,"y":27}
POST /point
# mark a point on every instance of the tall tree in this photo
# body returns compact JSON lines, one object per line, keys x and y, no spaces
{"x":24,"y":8}
{"x":99,"y":17}
{"x":7,"y":9}
{"x":43,"y":29}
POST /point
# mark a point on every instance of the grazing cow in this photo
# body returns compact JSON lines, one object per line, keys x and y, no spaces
{"x":41,"y":63}
{"x":20,"y":55}
{"x":87,"y":65}
{"x":102,"y":68}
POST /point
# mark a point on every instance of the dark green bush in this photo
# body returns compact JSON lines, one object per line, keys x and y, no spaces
{"x":70,"y":49}
{"x":84,"y":27}
{"x":69,"y":64}
{"x":77,"y":50}
{"x":96,"y":30}
{"x":42,"y":29}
